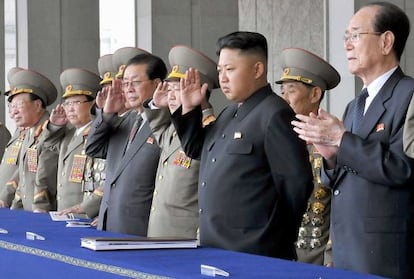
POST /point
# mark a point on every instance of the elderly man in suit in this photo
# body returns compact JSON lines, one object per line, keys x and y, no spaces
{"x":31,"y":93}
{"x":372,"y":209}
{"x":129,"y":145}
{"x":255,"y":177}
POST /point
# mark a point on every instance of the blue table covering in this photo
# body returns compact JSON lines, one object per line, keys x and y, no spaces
{"x":60,"y":256}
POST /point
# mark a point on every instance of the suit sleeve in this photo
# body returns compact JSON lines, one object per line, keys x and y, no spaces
{"x":98,"y":138}
{"x":378,"y":162}
{"x":289,"y":162}
{"x":380,"y":157}
{"x":190,"y":131}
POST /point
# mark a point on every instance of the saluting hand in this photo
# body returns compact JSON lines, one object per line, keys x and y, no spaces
{"x":192,"y":93}
{"x":115,"y":99}
{"x":58,"y":116}
{"x":160,"y":97}
{"x":101,"y":98}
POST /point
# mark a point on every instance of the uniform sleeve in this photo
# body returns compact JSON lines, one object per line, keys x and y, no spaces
{"x":52,"y":136}
{"x":46,"y":180}
{"x":91,"y":203}
{"x":8,"y":190}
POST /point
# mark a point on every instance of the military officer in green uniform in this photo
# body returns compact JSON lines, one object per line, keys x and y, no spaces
{"x":174,"y":210}
{"x":9,"y":168}
{"x":304,"y":81}
{"x":80,"y":177}
{"x":107,"y":73}
{"x":30,"y":94}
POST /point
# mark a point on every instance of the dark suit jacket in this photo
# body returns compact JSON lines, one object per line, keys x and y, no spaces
{"x":130,"y":178}
{"x":372,"y":201}
{"x":255,"y":177}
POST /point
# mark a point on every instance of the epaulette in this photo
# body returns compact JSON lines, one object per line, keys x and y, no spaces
{"x":86,"y":131}
{"x":40,"y":128}
{"x":208,"y":120}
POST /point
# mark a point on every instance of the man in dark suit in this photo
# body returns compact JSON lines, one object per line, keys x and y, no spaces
{"x":129,"y":145}
{"x":255,"y":177}
{"x":364,"y":163}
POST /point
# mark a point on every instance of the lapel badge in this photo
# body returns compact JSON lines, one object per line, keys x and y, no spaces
{"x":237,"y":135}
{"x":380,"y":127}
{"x":150,"y":140}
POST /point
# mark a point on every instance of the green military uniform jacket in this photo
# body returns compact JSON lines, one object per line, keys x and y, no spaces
{"x":37,"y":173}
{"x":9,"y":167}
{"x":174,"y":210}
{"x":80,"y":178}
{"x":313,"y":237}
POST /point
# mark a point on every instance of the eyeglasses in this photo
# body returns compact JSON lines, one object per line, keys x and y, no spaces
{"x":17,"y":104}
{"x":355,"y":36}
{"x":73,"y":103}
{"x":173,"y":88}
{"x":133,"y":83}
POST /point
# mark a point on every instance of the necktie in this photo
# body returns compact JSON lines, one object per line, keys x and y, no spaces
{"x":134,"y":130}
{"x":359,"y":109}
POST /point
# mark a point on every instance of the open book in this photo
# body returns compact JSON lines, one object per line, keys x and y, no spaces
{"x":130,"y":243}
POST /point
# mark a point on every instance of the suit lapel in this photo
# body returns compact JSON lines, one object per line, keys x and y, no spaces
{"x":373,"y":114}
{"x":377,"y":108}
{"x":121,"y":137}
{"x":172,"y":143}
{"x":140,"y":139}
{"x":75,"y":142}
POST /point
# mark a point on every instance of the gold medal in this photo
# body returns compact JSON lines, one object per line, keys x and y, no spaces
{"x":320,"y":193}
{"x":318,"y":207}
